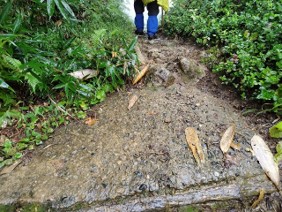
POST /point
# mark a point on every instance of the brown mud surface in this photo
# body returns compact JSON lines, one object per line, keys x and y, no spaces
{"x":138,"y":159}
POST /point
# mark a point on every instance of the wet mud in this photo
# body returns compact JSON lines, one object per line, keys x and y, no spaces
{"x":138,"y":159}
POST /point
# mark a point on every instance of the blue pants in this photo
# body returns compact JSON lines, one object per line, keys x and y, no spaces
{"x":153,"y":11}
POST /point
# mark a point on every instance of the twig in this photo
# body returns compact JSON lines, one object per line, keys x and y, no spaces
{"x":59,"y":107}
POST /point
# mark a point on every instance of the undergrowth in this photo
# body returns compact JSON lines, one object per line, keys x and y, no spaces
{"x":244,"y":42}
{"x":41,"y":43}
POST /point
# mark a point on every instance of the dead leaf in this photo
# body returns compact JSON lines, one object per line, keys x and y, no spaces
{"x":114,"y":54}
{"x":227,"y":138}
{"x":141,"y":74}
{"x":84,"y":74}
{"x":235,"y":146}
{"x":260,"y":198}
{"x":125,"y":67}
{"x":58,"y":23}
{"x":132,"y":101}
{"x":195,"y":145}
{"x":9,"y":169}
{"x":90,"y":121}
{"x":266,"y":159}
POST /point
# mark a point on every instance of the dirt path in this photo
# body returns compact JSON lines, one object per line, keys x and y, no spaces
{"x":138,"y":159}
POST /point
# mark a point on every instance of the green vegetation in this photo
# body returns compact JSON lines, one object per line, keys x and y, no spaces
{"x":244,"y":41}
{"x":41,"y":43}
{"x":276,"y":132}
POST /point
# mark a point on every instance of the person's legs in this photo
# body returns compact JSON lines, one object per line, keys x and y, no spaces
{"x":152,"y":24}
{"x":139,"y":18}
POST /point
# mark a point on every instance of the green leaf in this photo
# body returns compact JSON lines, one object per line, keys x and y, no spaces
{"x":50,"y":8}
{"x":68,"y":8}
{"x":61,"y":9}
{"x":32,"y":81}
{"x":8,"y":145}
{"x":18,"y":155}
{"x":276,"y":130}
{"x":17,"y":23}
{"x":101,"y":95}
{"x":81,"y":115}
{"x":132,"y":44}
{"x":21,"y":146}
{"x":10,"y":114}
{"x":3,"y":84}
{"x":279,"y":147}
{"x":5,"y":12}
{"x":278,"y":155}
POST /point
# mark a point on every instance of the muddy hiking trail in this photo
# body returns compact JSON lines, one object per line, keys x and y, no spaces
{"x":138,"y":159}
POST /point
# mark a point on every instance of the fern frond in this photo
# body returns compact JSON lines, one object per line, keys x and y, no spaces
{"x":9,"y":62}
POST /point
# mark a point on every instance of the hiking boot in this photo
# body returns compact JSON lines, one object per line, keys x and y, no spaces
{"x":151,"y":37}
{"x":139,"y":32}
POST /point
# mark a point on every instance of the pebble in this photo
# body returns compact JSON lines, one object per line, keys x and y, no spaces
{"x":142,"y":187}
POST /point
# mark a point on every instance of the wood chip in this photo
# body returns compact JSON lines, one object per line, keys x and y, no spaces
{"x":195,"y":145}
{"x":227,"y":138}
{"x":132,"y":101}
{"x":266,"y":159}
{"x":9,"y":169}
{"x":141,"y":74}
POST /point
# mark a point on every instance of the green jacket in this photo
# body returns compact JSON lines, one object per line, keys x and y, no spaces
{"x":163,"y":3}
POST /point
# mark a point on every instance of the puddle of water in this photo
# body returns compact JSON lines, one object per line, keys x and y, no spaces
{"x":128,"y":8}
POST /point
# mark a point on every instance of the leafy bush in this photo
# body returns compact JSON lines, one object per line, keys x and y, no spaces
{"x":41,"y":43}
{"x":248,"y":33}
{"x":38,"y":50}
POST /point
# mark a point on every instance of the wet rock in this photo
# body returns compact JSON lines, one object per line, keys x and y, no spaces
{"x":165,"y":75}
{"x":191,"y":68}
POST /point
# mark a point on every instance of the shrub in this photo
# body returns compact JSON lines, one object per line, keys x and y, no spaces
{"x":248,"y":34}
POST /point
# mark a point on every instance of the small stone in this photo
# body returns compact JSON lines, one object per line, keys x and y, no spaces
{"x":142,"y":187}
{"x":154,"y":186}
{"x":138,"y":173}
{"x":165,"y":75}
{"x":216,"y":174}
{"x":94,"y":169}
{"x":167,"y":120}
